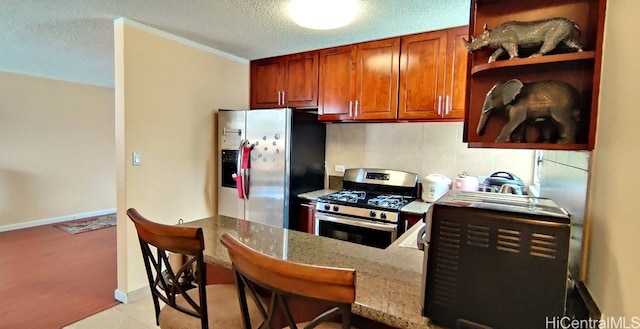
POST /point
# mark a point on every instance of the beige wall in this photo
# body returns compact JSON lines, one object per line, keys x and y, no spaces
{"x":56,"y":149}
{"x":167,"y":91}
{"x":422,"y":148}
{"x":614,"y":265}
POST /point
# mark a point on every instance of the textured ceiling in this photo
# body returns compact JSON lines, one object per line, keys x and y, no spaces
{"x":73,"y":39}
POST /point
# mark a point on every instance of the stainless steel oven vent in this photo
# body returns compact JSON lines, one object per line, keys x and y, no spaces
{"x":446,"y":264}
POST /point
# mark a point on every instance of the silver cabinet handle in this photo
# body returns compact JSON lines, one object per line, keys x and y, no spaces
{"x":350,"y":108}
{"x":356,"y":114}
{"x":447,"y":106}
{"x":278,"y":97}
{"x":440,"y":105}
{"x":284,"y":97}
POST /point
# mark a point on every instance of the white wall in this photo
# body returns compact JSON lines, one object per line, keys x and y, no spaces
{"x":56,"y":150}
{"x":612,"y":210}
{"x":422,"y":148}
{"x":167,"y":91}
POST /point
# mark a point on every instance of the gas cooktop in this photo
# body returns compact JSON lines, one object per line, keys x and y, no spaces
{"x":364,"y":199}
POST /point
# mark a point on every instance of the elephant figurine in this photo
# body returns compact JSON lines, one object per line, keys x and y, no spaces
{"x":545,"y":34}
{"x":540,"y":101}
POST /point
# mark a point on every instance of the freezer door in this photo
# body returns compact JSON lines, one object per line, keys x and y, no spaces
{"x":267,"y":132}
{"x":231,"y":131}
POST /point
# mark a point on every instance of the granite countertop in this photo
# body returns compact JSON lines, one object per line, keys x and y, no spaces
{"x":388,"y":281}
{"x":417,"y":207}
{"x":313,"y":195}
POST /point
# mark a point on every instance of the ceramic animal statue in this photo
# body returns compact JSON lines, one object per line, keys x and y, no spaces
{"x":545,"y":34}
{"x":532,"y":102}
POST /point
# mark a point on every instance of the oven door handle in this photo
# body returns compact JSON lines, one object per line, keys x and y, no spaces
{"x":356,"y":222}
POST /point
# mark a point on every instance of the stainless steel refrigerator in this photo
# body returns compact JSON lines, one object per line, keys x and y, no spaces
{"x":266,"y":158}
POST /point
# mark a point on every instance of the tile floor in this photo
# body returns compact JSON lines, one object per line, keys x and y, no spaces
{"x":135,"y":315}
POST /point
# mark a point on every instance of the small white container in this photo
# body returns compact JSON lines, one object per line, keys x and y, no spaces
{"x":434,"y":186}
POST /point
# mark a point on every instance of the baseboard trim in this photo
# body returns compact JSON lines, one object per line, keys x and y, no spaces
{"x":54,"y":220}
{"x":132,"y":296}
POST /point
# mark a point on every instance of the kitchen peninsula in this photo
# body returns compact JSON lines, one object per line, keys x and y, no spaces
{"x":387,"y":280}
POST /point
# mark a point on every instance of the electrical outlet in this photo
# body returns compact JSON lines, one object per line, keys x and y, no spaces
{"x":339,"y":168}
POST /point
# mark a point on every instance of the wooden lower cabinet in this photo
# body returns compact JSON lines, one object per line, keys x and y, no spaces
{"x":307,"y":216}
{"x":407,"y":220}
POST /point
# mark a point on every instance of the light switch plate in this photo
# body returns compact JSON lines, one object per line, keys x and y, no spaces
{"x":135,"y":159}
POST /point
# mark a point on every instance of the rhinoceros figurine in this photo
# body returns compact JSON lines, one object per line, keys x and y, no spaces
{"x":508,"y":36}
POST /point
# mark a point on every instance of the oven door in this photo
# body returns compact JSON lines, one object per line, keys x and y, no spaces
{"x":361,"y":231}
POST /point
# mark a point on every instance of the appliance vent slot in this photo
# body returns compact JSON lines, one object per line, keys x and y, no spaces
{"x":509,"y":240}
{"x":447,"y":264}
{"x":543,"y":245}
{"x":478,"y":235}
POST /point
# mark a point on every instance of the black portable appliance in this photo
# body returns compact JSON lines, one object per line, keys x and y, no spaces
{"x":495,"y":261}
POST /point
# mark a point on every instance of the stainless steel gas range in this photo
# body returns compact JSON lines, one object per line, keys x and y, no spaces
{"x":367,"y":210}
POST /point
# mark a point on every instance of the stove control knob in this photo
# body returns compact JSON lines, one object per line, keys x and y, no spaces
{"x":335,"y":208}
{"x":372,"y":213}
{"x":383,"y":216}
{"x":327,"y":207}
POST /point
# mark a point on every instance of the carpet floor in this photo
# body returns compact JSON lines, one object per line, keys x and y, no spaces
{"x":50,"y":278}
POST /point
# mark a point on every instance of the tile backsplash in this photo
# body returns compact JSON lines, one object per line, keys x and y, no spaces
{"x":422,"y":148}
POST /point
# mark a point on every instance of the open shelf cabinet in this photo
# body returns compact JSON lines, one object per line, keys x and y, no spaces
{"x":579,"y":69}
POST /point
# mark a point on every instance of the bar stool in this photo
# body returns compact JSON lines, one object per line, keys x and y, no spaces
{"x":206,"y":306}
{"x":283,"y":281}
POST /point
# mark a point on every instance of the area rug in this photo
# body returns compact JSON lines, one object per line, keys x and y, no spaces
{"x":88,"y":224}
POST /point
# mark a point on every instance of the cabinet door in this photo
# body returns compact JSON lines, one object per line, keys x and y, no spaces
{"x":336,"y":83}
{"x":267,"y":81}
{"x":422,"y":75}
{"x":301,"y":80}
{"x":456,"y":80}
{"x":377,"y":80}
{"x":307,"y":217}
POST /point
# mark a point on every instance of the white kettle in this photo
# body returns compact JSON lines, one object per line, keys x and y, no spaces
{"x":434,"y":186}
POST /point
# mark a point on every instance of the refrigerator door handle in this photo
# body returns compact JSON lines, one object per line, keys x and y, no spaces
{"x":239,"y":159}
{"x":245,"y":184}
{"x":243,"y":169}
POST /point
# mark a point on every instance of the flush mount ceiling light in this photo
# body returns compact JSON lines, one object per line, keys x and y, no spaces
{"x":323,"y":14}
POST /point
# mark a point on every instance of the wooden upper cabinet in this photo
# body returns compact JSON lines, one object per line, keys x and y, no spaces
{"x":377,"y":80}
{"x":456,"y":78}
{"x":301,"y":80}
{"x":337,"y":83}
{"x":267,"y":81}
{"x":359,"y":82}
{"x":286,"y":81}
{"x":415,"y":77}
{"x":422,"y":72}
{"x":433,"y":69}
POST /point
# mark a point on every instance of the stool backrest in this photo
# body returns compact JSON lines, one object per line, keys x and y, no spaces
{"x":282,"y":280}
{"x":187,"y":241}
